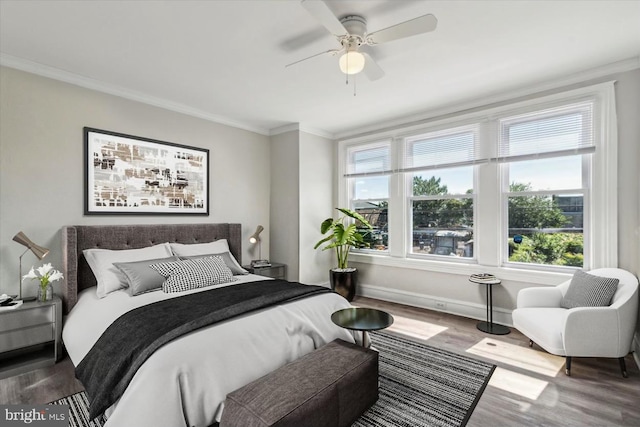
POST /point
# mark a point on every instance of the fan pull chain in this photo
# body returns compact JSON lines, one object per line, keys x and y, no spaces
{"x":354,"y":83}
{"x":355,"y":79}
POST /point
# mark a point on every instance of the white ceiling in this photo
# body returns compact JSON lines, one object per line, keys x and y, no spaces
{"x":225,"y":60}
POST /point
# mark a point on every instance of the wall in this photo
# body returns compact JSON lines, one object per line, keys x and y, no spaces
{"x":628,"y":108}
{"x":285,"y":202}
{"x":41,"y":165}
{"x":282,"y":182}
{"x":316,"y":203}
{"x":301,"y":198}
{"x":452,"y":292}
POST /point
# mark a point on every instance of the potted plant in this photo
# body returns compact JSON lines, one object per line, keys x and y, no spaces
{"x":344,"y":235}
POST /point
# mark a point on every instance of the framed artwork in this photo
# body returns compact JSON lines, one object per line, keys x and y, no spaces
{"x":130,"y":175}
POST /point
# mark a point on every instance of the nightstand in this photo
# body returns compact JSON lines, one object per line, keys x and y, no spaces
{"x":30,"y":336}
{"x":276,"y":270}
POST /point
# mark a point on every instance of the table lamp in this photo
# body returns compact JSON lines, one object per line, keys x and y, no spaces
{"x":255,"y":238}
{"x":38,"y":251}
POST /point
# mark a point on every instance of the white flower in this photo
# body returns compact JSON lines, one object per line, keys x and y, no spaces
{"x":30,"y":275}
{"x":45,"y":269}
{"x":55,"y":276}
{"x":45,"y":274}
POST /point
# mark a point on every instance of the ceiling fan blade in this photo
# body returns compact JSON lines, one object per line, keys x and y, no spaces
{"x":422,"y":24}
{"x":371,"y":68}
{"x":333,"y":51}
{"x":320,"y":11}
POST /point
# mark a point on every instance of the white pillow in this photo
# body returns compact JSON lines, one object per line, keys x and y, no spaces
{"x":109,"y":278}
{"x":217,"y":247}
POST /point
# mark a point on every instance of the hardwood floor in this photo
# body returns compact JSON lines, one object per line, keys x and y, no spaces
{"x":40,"y":385}
{"x":529,"y":387}
{"x":595,"y":394}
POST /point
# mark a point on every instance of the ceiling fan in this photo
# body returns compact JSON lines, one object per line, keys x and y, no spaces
{"x":351,"y":32}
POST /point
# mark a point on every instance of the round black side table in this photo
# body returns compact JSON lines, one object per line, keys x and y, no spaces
{"x":362,"y":319}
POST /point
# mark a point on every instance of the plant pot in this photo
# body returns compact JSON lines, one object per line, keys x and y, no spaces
{"x":344,"y":281}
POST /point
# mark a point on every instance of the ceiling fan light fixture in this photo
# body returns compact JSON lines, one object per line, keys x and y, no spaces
{"x":352,"y":62}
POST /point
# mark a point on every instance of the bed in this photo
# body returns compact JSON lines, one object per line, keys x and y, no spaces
{"x":185,"y":382}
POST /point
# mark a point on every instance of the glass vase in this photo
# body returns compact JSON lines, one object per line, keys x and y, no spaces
{"x":45,"y":293}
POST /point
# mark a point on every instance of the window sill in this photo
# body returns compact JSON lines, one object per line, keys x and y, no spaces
{"x":531,"y":276}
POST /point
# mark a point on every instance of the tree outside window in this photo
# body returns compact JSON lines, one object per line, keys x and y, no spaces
{"x":443,"y":223}
{"x":544,"y":231}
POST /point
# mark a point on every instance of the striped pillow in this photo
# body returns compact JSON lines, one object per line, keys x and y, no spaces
{"x":587,"y":290}
{"x":193,"y":273}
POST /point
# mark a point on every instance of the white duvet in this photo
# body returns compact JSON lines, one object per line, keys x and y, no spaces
{"x":185,"y":382}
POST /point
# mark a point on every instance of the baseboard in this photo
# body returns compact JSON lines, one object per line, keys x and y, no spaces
{"x":445,"y":305}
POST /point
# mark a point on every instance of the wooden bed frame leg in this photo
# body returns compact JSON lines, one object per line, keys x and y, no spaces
{"x":530,"y":343}
{"x":567,"y":367}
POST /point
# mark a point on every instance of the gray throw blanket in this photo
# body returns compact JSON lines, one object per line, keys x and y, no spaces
{"x":132,"y":338}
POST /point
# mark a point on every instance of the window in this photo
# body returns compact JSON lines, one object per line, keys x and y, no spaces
{"x":547,"y":165}
{"x":367,"y":177}
{"x":529,"y":185}
{"x":439,"y":168}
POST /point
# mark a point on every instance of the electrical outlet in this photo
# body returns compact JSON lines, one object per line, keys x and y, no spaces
{"x":441,"y":305}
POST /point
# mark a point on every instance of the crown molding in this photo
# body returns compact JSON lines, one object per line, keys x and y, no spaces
{"x":301,"y":128}
{"x":575,"y":78}
{"x":99,"y":86}
{"x":89,"y":83}
{"x":284,"y":129}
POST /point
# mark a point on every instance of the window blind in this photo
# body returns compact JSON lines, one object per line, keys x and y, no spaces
{"x":449,"y":148}
{"x":369,"y":160}
{"x":561,"y":131}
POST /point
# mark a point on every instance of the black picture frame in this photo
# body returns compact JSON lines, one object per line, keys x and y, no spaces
{"x":132,"y":175}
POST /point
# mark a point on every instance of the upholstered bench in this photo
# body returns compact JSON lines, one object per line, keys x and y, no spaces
{"x":331,"y":386}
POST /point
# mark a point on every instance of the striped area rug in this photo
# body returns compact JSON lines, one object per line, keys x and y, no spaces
{"x":420,"y":386}
{"x":79,"y":411}
{"x":424,"y":386}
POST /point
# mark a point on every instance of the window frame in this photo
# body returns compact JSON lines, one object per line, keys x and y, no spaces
{"x":408,"y":170}
{"x":488,"y":251}
{"x":584,"y":108}
{"x":349,"y":181}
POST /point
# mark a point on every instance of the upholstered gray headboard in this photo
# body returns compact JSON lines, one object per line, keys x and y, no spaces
{"x":76,"y":238}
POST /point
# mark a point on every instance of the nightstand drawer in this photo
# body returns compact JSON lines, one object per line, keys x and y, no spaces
{"x":27,"y":317}
{"x":26,"y":337}
{"x":275,"y":270}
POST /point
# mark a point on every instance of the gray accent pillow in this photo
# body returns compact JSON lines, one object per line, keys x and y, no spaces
{"x":193,"y":273}
{"x":141,"y":277}
{"x":228,"y":259}
{"x":587,"y":290}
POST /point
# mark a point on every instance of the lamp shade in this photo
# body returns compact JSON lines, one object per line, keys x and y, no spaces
{"x":256,"y":236}
{"x":351,"y":62}
{"x":38,"y":251}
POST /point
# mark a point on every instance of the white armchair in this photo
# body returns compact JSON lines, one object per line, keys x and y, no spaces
{"x":582,"y":331}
